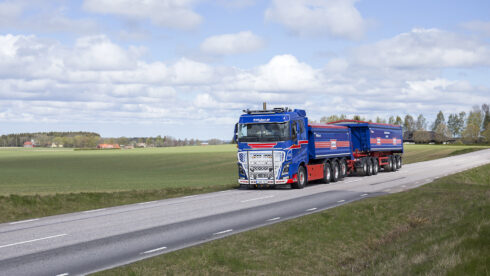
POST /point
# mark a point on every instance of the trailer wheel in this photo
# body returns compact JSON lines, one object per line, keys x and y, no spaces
{"x":301,"y":183}
{"x":327,"y":172}
{"x":399,"y":162}
{"x":375,"y":165}
{"x":369,"y":167}
{"x":364,"y":167}
{"x":394,"y":167}
{"x":387,"y":168}
{"x":335,"y":171}
{"x":343,"y":168}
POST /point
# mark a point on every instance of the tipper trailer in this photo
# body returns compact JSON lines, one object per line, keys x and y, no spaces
{"x":279,"y":147}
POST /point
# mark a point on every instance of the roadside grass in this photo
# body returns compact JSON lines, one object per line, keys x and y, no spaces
{"x":442,"y":228}
{"x":40,"y":182}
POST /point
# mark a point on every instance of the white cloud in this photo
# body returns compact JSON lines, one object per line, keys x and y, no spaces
{"x":481,"y":27}
{"x":229,"y":44}
{"x":338,"y":18}
{"x":420,"y":48}
{"x":166,"y":13}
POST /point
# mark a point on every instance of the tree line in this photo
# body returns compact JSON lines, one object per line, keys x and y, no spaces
{"x":471,"y":127}
{"x":81,"y":139}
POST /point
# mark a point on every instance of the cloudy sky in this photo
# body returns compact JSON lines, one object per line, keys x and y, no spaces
{"x":187,"y":68}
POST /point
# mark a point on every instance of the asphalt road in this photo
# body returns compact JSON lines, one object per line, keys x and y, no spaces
{"x":85,"y":242}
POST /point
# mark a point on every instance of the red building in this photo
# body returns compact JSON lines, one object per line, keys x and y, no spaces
{"x":108,"y":146}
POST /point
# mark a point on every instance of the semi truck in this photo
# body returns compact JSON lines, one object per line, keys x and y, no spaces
{"x":279,"y":147}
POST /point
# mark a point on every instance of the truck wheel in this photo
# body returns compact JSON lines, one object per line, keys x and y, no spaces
{"x":387,"y":168}
{"x":369,"y":167}
{"x":399,"y":162}
{"x":343,"y":168}
{"x":364,"y":167}
{"x":301,"y":178}
{"x":394,"y":166}
{"x":327,"y":172}
{"x":375,"y":165}
{"x":335,"y":171}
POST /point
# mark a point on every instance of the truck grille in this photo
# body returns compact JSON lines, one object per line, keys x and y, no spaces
{"x":261,"y":167}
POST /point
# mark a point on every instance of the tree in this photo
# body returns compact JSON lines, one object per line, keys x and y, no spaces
{"x":332,"y":118}
{"x":441,"y":133}
{"x":409,"y":124}
{"x":380,"y":120}
{"x":421,"y":123}
{"x":421,"y":136}
{"x":473,"y":126}
{"x":391,"y":120}
{"x":439,"y":120}
{"x":455,"y":123}
{"x":398,"y":121}
{"x":486,"y":116}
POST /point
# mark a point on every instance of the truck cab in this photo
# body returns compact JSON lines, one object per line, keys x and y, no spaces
{"x":272,"y":145}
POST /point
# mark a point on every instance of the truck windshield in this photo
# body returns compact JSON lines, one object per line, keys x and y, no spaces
{"x":263,"y":132}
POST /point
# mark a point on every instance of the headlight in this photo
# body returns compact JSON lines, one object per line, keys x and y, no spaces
{"x":289,"y":155}
{"x":285,"y":169}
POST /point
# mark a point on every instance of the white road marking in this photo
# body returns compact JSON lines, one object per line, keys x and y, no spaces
{"x":190,"y":196}
{"x":40,"y":239}
{"x":342,"y":200}
{"x":63,"y":274}
{"x":311,"y":209}
{"x":353,"y":181}
{"x":273,"y":219}
{"x":223,"y":232}
{"x":258,"y":198}
{"x":154,"y":250}
{"x":141,"y":203}
{"x":364,"y":194}
{"x":96,"y":210}
{"x":24,"y":221}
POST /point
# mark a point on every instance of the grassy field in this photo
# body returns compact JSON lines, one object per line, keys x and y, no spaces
{"x":41,"y":182}
{"x":442,"y":228}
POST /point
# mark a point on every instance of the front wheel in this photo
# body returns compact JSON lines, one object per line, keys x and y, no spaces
{"x":301,"y":183}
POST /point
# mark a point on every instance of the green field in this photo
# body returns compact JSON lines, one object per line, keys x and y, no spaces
{"x":442,"y":228}
{"x":41,"y":182}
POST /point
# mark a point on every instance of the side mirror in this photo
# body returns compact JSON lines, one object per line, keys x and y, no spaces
{"x":235,"y":134}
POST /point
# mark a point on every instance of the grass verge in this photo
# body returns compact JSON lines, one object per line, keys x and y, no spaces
{"x":440,"y":228}
{"x":41,"y":182}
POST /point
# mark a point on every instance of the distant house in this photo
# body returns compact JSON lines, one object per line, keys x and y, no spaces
{"x":141,"y":145}
{"x":28,"y":144}
{"x":204,"y":143}
{"x":108,"y":146}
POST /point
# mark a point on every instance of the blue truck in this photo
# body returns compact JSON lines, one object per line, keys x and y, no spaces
{"x":279,"y":147}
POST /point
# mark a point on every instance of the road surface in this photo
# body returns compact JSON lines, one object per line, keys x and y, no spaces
{"x":85,"y":242}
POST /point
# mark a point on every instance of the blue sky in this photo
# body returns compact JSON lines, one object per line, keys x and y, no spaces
{"x":187,"y":68}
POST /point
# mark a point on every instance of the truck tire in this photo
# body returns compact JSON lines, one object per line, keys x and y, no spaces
{"x":369,"y":167}
{"x":343,"y":168}
{"x":364,"y":167}
{"x":335,"y":171}
{"x":302,"y":178}
{"x":375,"y":165}
{"x":399,"y":161}
{"x":393,"y":161}
{"x":387,"y":168}
{"x":327,"y":172}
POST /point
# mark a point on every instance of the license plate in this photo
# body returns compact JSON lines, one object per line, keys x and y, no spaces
{"x":264,"y":181}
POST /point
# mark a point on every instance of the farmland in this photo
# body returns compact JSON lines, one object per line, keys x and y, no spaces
{"x":41,"y":182}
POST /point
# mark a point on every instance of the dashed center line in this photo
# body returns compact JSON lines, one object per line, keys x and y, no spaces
{"x":311,"y":209}
{"x":63,"y":274}
{"x":223,"y":232}
{"x":154,"y":250}
{"x":96,"y":210}
{"x":40,"y":239}
{"x":148,"y":202}
{"x":342,"y":200}
{"x":273,"y":219}
{"x":190,"y":196}
{"x":364,"y":194}
{"x":24,"y":221}
{"x":258,"y":198}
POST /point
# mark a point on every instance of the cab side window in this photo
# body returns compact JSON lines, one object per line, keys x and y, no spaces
{"x":301,"y":126}
{"x":294,"y":130}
